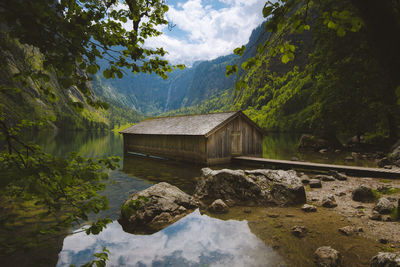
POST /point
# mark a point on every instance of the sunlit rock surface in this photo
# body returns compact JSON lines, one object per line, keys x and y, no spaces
{"x":258,"y":187}
{"x":154,"y":208}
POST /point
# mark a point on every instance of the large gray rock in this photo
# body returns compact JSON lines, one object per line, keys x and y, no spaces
{"x":257,"y":187}
{"x":384,"y":206}
{"x":153,"y":209}
{"x":327,"y":257}
{"x":386,"y":259}
{"x":363,"y":194}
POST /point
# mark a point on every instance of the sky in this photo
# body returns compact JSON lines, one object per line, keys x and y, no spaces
{"x":207,"y":29}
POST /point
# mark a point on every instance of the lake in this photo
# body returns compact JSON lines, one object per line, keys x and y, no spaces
{"x":237,"y":239}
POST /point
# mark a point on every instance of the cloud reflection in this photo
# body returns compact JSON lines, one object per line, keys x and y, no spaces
{"x":195,"y":240}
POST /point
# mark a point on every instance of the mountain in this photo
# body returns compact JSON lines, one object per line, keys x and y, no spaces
{"x":44,"y":99}
{"x":152,"y":95}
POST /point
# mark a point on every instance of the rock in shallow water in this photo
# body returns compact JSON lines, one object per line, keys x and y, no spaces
{"x":299,"y":231}
{"x":218,"y":206}
{"x":327,"y":257}
{"x":260,"y":187}
{"x":309,"y":208}
{"x":154,"y":208}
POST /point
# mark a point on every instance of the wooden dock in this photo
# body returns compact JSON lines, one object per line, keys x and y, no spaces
{"x":350,"y":170}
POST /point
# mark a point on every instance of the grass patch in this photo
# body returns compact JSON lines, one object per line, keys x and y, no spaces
{"x":395,"y":214}
{"x":376,"y":194}
{"x":391,"y":191}
{"x":122,"y":127}
{"x":387,"y":249}
{"x":385,"y":181}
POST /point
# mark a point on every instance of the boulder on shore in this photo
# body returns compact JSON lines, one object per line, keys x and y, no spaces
{"x":384,"y":206}
{"x":363,"y":194}
{"x":255,"y":187}
{"x":155,"y":208}
{"x":386,"y":259}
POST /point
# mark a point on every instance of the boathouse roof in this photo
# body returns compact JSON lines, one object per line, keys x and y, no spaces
{"x":204,"y":124}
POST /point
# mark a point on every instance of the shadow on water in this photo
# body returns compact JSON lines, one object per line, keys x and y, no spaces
{"x":284,"y":146}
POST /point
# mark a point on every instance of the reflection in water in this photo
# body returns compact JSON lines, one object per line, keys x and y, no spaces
{"x":155,"y":170}
{"x":284,"y":146}
{"x":195,"y":240}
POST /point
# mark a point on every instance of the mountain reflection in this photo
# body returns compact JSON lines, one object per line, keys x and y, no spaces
{"x":195,"y":240}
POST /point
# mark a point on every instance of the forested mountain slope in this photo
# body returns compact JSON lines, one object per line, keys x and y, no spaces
{"x":45,"y":99}
{"x":335,"y":86}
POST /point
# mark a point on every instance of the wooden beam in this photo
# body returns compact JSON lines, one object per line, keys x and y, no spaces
{"x":351,"y":170}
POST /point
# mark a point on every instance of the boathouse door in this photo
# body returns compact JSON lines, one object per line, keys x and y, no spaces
{"x":236,"y":143}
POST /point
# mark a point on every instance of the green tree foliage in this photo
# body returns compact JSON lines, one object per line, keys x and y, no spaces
{"x":67,"y":39}
{"x":346,"y":83}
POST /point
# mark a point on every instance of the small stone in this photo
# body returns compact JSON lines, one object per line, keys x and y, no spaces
{"x":305,"y":179}
{"x":376,"y":216}
{"x":315,"y":183}
{"x":363,"y":194}
{"x":294,"y":159}
{"x":383,"y":241}
{"x":329,"y":201}
{"x":360,"y":207}
{"x":388,"y":167}
{"x":348,"y":230}
{"x":386,"y":259}
{"x":323,"y":151}
{"x":384,"y":206}
{"x":299,"y":231}
{"x":338,"y":175}
{"x":273,"y":215}
{"x":218,"y":206}
{"x":340,"y":194}
{"x":350,"y":159}
{"x":327,"y":257}
{"x":338,"y":150}
{"x":325,"y":178}
{"x":309,"y":208}
{"x":314,"y":199}
{"x":387,"y":219}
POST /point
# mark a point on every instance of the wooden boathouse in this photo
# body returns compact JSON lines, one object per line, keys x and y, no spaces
{"x":206,"y":139}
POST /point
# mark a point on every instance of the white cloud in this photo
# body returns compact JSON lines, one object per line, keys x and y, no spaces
{"x":206,"y":33}
{"x":196,"y":239}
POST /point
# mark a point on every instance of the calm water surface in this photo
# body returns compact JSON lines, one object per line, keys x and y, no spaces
{"x":196,"y":240}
